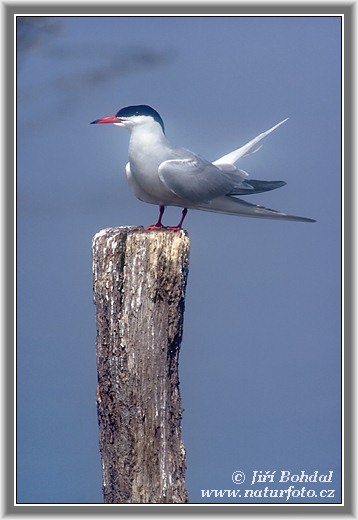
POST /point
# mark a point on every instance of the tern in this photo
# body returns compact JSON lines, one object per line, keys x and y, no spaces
{"x":166,"y":175}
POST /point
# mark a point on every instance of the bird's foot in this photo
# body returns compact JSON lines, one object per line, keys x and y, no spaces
{"x":178,"y":227}
{"x":175,"y":228}
{"x":155,"y":227}
{"x":159,"y":224}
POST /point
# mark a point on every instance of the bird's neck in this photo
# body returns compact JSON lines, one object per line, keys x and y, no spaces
{"x":147,"y":141}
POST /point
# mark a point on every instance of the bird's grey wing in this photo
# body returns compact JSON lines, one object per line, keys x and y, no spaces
{"x":194,"y":179}
{"x":233,"y":206}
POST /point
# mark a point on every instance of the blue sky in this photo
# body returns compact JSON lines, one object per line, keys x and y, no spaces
{"x":260,"y":360}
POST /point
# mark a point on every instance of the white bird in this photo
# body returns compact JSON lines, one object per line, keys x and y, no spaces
{"x":162,"y":174}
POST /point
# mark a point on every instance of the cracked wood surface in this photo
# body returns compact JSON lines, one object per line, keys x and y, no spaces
{"x":139,"y":289}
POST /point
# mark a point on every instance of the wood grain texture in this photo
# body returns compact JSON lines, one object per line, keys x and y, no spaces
{"x":139,"y":289}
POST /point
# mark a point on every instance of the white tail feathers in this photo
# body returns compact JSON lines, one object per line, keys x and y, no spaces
{"x":233,"y":157}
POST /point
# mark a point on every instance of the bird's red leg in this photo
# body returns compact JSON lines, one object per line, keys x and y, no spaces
{"x":159,"y":224}
{"x":178,"y":227}
{"x":183,"y":215}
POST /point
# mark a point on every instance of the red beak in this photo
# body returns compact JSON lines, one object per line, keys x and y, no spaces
{"x":108,"y":119}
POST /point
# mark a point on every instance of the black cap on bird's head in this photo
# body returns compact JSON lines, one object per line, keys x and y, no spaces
{"x":136,"y":110}
{"x":140,"y":110}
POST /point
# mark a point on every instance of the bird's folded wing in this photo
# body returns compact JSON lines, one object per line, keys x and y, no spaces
{"x":194,"y":179}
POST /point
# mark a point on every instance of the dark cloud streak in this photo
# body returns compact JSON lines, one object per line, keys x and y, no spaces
{"x":85,"y":67}
{"x":35,"y":31}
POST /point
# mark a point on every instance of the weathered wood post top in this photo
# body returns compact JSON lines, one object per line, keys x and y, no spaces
{"x":139,"y":289}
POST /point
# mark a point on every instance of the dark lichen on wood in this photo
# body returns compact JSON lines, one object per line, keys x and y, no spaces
{"x":139,"y":290}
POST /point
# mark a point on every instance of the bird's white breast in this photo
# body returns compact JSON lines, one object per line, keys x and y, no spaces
{"x":147,"y":150}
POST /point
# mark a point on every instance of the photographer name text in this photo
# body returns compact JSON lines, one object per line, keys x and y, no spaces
{"x":287,"y":476}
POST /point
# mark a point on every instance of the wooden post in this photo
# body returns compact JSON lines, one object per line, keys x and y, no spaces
{"x":139,"y":288}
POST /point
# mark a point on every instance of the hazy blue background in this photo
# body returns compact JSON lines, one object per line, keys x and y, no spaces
{"x":260,"y":361}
